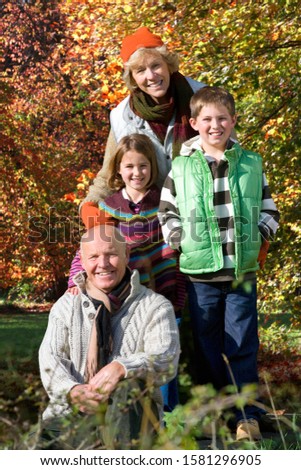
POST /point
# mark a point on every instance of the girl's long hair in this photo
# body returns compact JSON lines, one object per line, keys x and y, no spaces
{"x":141,"y":144}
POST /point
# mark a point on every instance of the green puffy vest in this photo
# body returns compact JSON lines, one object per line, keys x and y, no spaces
{"x":201,"y":242}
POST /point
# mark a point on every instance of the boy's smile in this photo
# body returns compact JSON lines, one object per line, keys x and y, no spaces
{"x":214,"y":124}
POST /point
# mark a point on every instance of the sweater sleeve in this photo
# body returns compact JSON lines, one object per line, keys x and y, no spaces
{"x":168,"y":214}
{"x":158,"y":359}
{"x":76,"y":267}
{"x":269,"y":215}
{"x":98,"y":191}
{"x":57,"y":371}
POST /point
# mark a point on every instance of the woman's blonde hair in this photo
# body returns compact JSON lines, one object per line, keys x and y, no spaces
{"x":141,"y":144}
{"x":171,"y":59}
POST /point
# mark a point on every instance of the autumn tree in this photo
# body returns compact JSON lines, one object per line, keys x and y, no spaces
{"x":61,"y":75}
{"x":52,"y":133}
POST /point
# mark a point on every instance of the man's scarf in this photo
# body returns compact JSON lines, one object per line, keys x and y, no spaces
{"x":159,"y":115}
{"x":101,"y":341}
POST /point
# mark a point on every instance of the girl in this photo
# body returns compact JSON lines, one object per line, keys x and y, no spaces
{"x":132,"y":174}
{"x":133,"y":209}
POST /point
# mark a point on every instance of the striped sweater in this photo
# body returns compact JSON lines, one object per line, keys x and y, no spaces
{"x":156,"y":262}
{"x":170,"y":218}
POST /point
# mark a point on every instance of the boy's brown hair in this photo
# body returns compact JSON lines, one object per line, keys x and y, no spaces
{"x":211,"y":95}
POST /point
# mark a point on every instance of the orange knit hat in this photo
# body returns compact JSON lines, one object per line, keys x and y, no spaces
{"x":141,"y":38}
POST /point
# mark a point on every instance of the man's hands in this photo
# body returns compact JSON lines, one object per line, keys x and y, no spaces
{"x":85,"y":398}
{"x":106,"y":380}
{"x":88,"y":396}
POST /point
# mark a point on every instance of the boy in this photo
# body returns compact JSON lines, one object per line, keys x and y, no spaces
{"x":216,"y":209}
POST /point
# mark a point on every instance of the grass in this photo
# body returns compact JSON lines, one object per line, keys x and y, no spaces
{"x":20,"y":336}
{"x":22,"y":396}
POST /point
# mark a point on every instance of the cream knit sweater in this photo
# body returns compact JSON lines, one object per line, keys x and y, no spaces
{"x":145,"y":341}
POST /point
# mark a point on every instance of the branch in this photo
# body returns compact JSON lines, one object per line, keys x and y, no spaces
{"x":266,"y":119}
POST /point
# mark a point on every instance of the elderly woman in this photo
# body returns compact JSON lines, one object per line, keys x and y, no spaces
{"x":158,"y":106}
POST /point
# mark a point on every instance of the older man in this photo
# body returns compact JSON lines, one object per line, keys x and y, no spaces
{"x":114,"y":337}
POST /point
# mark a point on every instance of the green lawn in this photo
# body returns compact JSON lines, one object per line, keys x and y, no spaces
{"x":22,"y":330}
{"x":20,"y":335}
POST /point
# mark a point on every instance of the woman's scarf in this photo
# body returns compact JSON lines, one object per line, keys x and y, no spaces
{"x":159,"y":115}
{"x":101,"y":341}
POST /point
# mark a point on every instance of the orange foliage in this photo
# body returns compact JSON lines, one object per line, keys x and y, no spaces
{"x":61,"y":74}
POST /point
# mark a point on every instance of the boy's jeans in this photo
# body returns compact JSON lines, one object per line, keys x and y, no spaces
{"x":224,"y":321}
{"x":170,"y":391}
